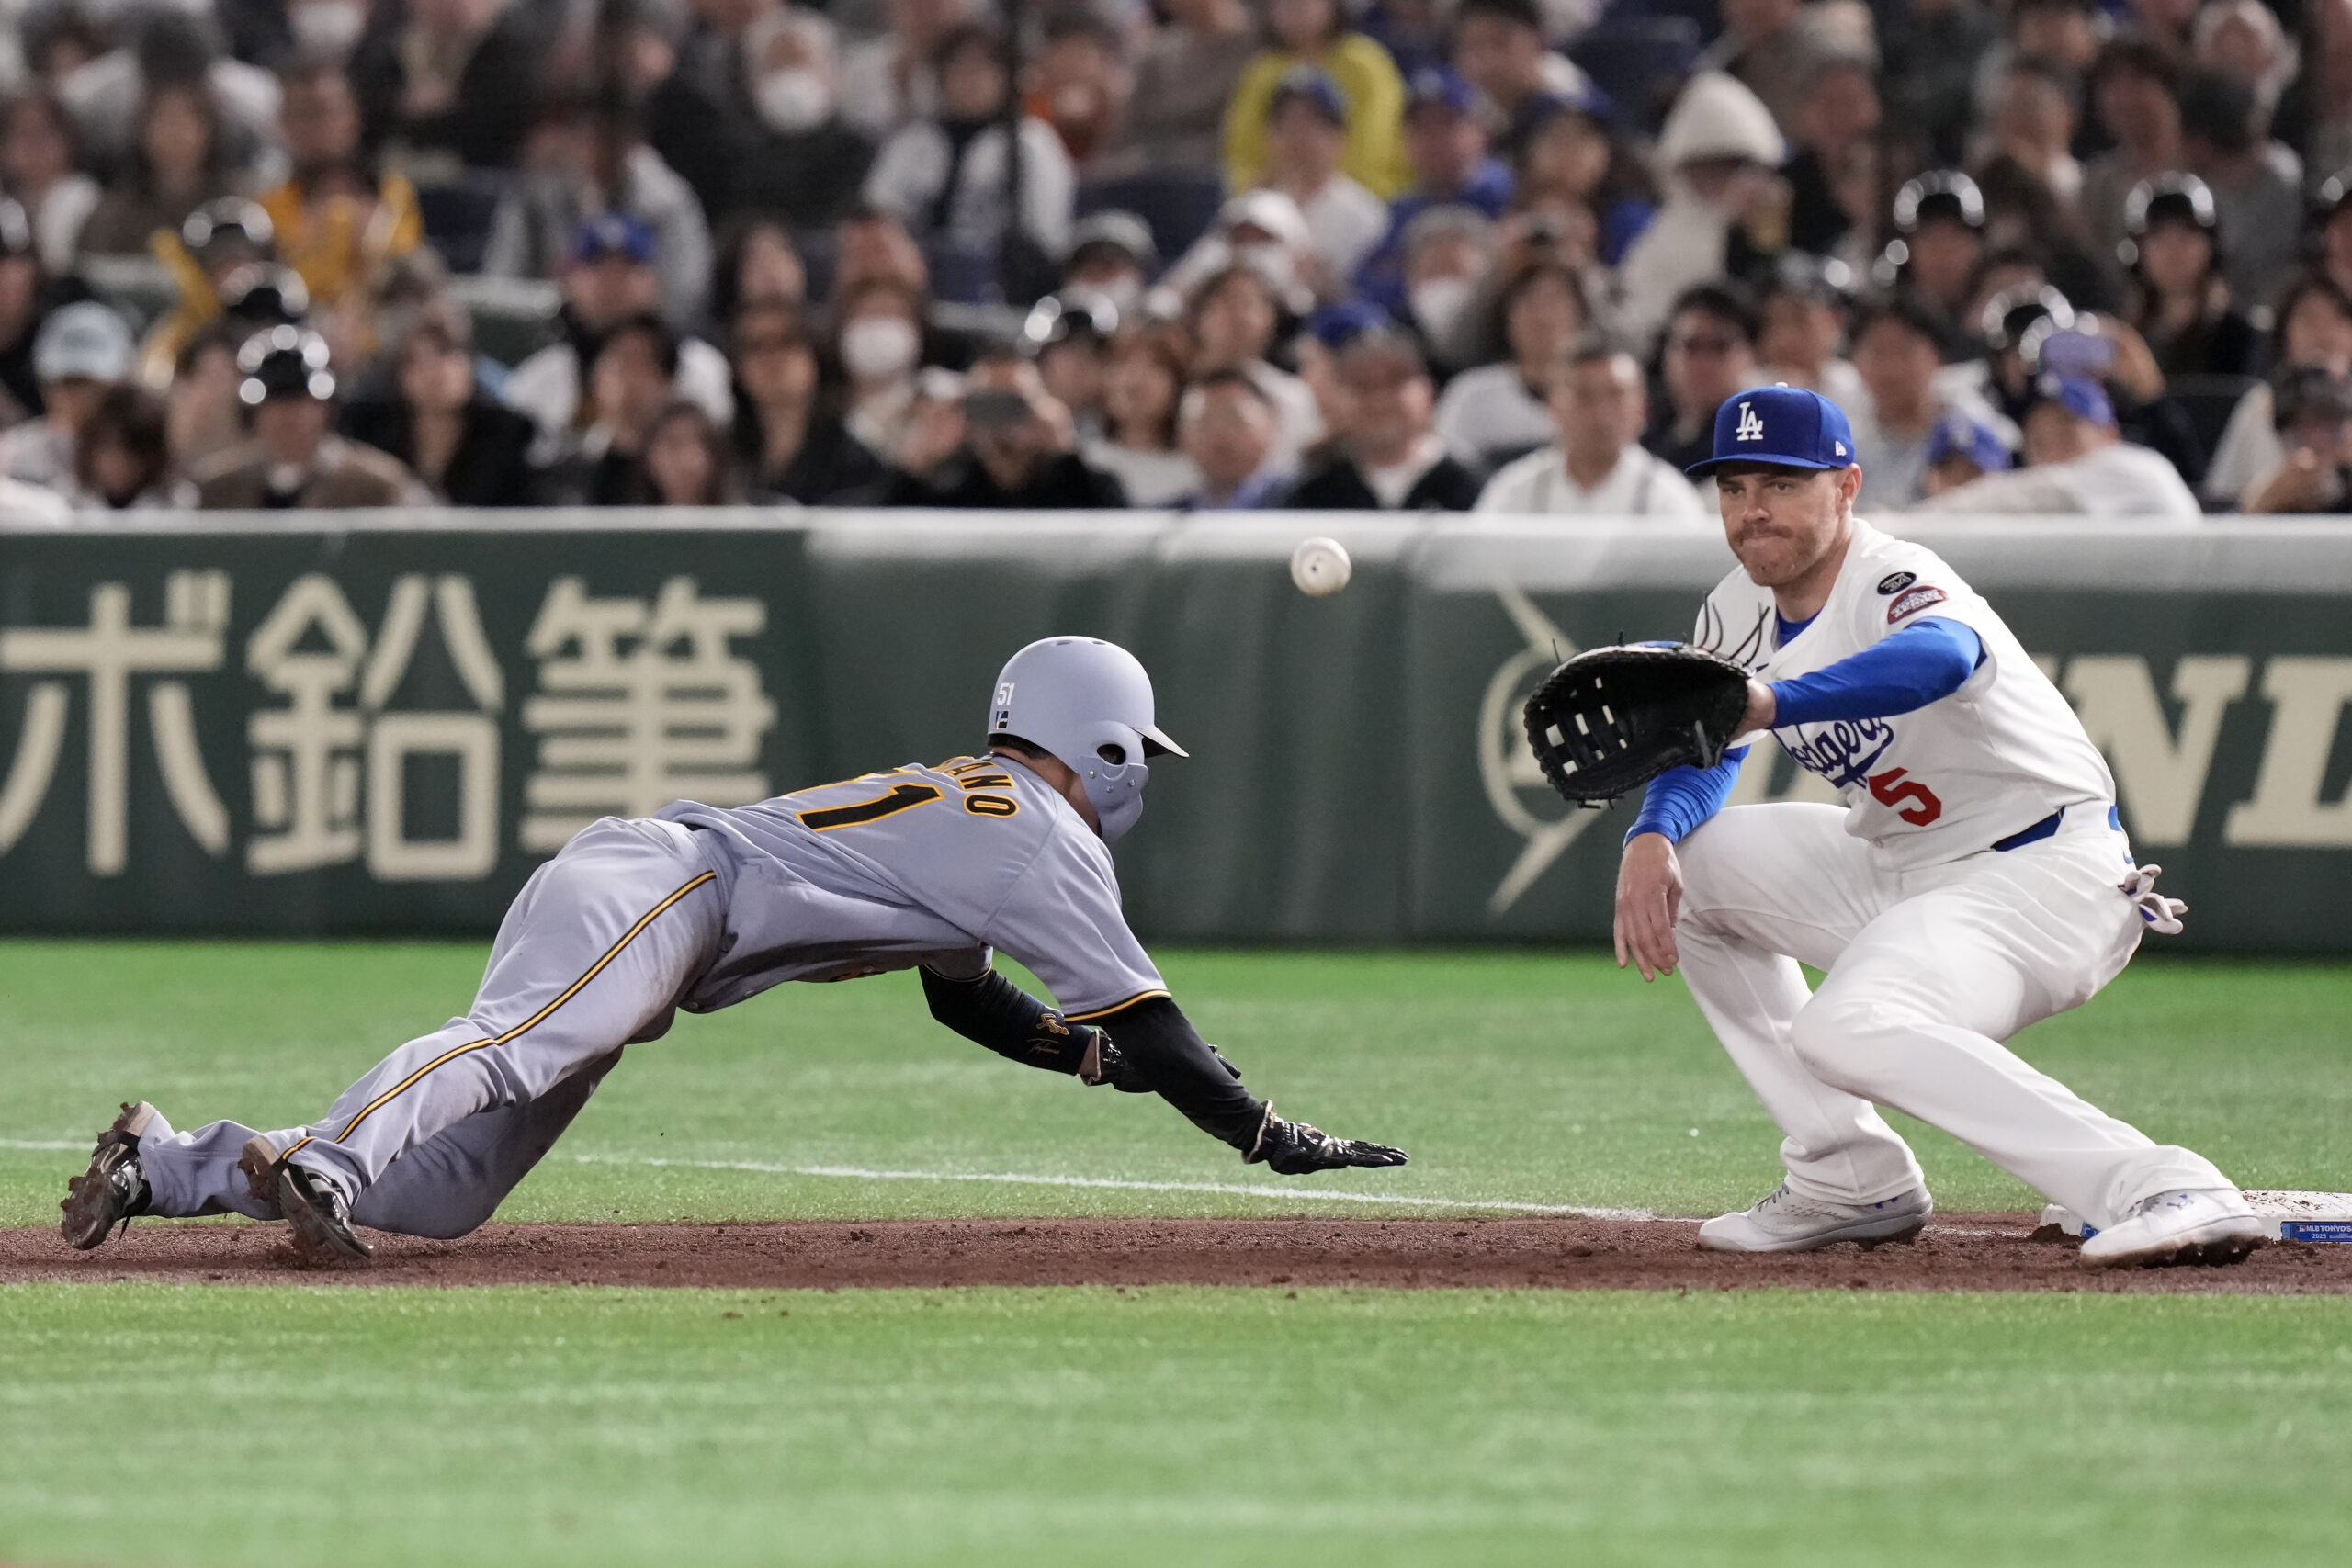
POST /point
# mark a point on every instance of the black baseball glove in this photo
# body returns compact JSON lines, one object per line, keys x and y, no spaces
{"x":1611,"y":719}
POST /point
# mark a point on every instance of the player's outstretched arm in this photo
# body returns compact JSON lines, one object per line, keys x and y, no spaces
{"x":991,"y":1010}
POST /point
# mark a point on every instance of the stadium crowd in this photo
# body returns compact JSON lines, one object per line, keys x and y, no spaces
{"x":1508,"y":256}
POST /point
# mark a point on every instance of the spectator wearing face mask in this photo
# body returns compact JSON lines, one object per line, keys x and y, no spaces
{"x":878,"y":338}
{"x":1008,"y":445}
{"x":123,"y":460}
{"x":1449,"y":255}
{"x":1263,"y":229}
{"x":609,"y":277}
{"x":1232,"y":320}
{"x":1718,"y":148}
{"x":791,"y":444}
{"x":585,"y":157}
{"x":1143,"y":387}
{"x":2077,"y":462}
{"x":1305,"y":134}
{"x":1226,"y":427}
{"x":463,"y":444}
{"x":806,"y":165}
{"x":1175,"y":117}
{"x":1447,"y":147}
{"x":1594,"y":464}
{"x":945,"y":178}
{"x":40,"y":164}
{"x":1394,"y":460}
{"x":1494,"y":412}
{"x":1709,"y":354}
{"x":82,"y":350}
{"x":1316,"y":33}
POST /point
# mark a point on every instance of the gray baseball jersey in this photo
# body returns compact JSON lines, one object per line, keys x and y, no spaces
{"x":926,"y":864}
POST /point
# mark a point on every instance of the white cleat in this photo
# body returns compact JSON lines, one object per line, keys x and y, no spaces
{"x":2177,"y":1228}
{"x":1786,"y":1222}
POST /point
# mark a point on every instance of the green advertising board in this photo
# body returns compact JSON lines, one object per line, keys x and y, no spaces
{"x":295,"y":724}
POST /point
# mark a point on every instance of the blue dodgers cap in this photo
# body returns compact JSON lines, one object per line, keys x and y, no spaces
{"x":611,"y":233}
{"x":1439,"y":85}
{"x":1957,"y":435}
{"x":2078,"y":395}
{"x":1789,"y":427}
{"x":1314,"y":85}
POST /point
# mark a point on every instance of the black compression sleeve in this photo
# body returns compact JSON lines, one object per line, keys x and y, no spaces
{"x":994,"y":1012}
{"x":1159,"y":1047}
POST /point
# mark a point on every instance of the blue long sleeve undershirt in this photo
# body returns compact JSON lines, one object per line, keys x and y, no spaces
{"x":1924,"y":662}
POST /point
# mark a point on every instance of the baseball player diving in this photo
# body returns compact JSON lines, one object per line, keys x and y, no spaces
{"x":1975,"y":879}
{"x":700,"y":908}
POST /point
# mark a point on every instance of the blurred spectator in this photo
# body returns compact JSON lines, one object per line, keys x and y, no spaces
{"x":1836,"y":124}
{"x":2313,"y":419}
{"x":2165,"y":24}
{"x":1112,"y":253}
{"x":1961,"y":449}
{"x":1931,"y":48}
{"x":268,"y":33}
{"x":123,"y":460}
{"x":337,"y":218}
{"x":1718,"y":150}
{"x":1227,"y":426}
{"x":1569,"y":156}
{"x":946,"y":177}
{"x":1449,"y":257}
{"x":2077,"y":462}
{"x":58,"y":39}
{"x":759,"y":264}
{"x":1494,"y":412}
{"x":462,"y":444}
{"x":878,"y":338}
{"x":1174,"y":118}
{"x":449,"y":84}
{"x":39,"y":168}
{"x":585,"y":156}
{"x":2243,"y":39}
{"x":178,"y":165}
{"x":1075,"y":79}
{"x":1447,"y":149}
{"x":1500,"y":50}
{"x":2033,"y":125}
{"x":791,"y":445}
{"x":1394,"y":460}
{"x":2256,"y":184}
{"x":701,"y":118}
{"x":1317,"y":349}
{"x":1010,"y":446}
{"x":26,"y":296}
{"x":1315,"y":32}
{"x":293,"y":459}
{"x":1306,"y":134}
{"x":633,"y":377}
{"x":1899,"y":342}
{"x":1142,"y":389}
{"x":1939,"y":227}
{"x":2181,"y":304}
{"x":1771,"y":46}
{"x":2131,"y":94}
{"x":2063,"y":33}
{"x":2315,"y":111}
{"x":1595,"y":465}
{"x":81,"y":349}
{"x":1800,"y":315}
{"x":2314,"y":333}
{"x":1263,"y":229}
{"x":202,"y":415}
{"x":609,"y":279}
{"x":893,"y":80}
{"x":167,"y":45}
{"x":21,"y":502}
{"x":806,"y":165}
{"x":218,"y":242}
{"x":687,"y":461}
{"x":1232,"y":320}
{"x":1069,"y":337}
{"x":1709,"y":354}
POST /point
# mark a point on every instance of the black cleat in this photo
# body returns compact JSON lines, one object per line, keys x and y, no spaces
{"x":114,"y":1189}
{"x":1296,"y":1148}
{"x":314,"y":1206}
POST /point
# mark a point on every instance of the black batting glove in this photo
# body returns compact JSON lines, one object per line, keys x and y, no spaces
{"x":1299,"y":1149}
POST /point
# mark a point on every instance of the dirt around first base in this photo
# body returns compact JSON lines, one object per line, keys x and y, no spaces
{"x":1958,"y":1252}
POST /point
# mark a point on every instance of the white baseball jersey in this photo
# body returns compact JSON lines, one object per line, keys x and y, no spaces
{"x":925,"y":864}
{"x":1994,"y":757}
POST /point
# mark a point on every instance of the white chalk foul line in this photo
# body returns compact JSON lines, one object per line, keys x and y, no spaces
{"x":1012,"y":1179}
{"x":43,"y":1145}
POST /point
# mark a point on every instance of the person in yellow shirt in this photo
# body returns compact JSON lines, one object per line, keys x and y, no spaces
{"x":337,"y":222}
{"x":1314,"y":32}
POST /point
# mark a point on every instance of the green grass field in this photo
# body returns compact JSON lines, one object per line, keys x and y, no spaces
{"x":522,"y":1425}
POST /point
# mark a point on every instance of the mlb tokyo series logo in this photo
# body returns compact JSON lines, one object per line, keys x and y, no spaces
{"x":1913,"y":602}
{"x":1751,"y":425}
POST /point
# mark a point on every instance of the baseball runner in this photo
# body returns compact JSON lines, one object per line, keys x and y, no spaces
{"x":1975,"y":879}
{"x":700,"y":908}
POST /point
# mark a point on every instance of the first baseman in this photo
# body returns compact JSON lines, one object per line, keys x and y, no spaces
{"x":699,"y":908}
{"x":1975,"y":879}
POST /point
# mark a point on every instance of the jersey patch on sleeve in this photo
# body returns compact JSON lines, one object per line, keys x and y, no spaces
{"x":1912,"y":602}
{"x":1896,"y":582}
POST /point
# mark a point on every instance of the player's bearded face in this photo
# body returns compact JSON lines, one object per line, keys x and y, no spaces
{"x":1780,"y":522}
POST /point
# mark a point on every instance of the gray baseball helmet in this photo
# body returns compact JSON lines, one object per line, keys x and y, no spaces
{"x":1088,"y":703}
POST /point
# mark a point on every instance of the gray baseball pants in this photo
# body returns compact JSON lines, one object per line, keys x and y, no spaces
{"x":591,"y":956}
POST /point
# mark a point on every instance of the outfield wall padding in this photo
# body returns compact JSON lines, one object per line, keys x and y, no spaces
{"x":298,"y":724}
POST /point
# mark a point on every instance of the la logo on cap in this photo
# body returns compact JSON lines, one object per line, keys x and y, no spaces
{"x":1751,"y":427}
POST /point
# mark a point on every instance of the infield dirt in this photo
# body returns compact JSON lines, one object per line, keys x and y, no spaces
{"x":1958,"y":1252}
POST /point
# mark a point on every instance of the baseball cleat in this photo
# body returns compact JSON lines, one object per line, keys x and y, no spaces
{"x":114,"y":1189}
{"x":1786,"y":1222}
{"x":314,"y":1206}
{"x":2177,"y":1228}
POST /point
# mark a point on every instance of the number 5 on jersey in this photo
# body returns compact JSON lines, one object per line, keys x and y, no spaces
{"x":1892,"y":788}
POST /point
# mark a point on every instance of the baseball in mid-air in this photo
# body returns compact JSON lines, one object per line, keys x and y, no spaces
{"x":1320,"y":567}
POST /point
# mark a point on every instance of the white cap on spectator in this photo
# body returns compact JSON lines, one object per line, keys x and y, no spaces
{"x":1270,"y":210}
{"x":1718,"y":117}
{"x":83,"y":341}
